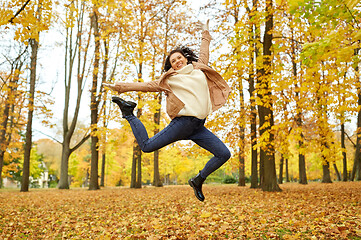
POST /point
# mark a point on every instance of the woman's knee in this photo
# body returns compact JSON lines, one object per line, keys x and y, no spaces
{"x":226,"y":154}
{"x":148,"y":148}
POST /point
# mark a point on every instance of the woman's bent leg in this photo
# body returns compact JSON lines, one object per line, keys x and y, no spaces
{"x":178,"y":128}
{"x":207,"y":140}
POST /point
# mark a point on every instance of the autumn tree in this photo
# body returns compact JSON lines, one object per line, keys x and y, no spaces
{"x":338,"y":19}
{"x":94,"y":99}
{"x":31,"y":21}
{"x":76,"y":55}
{"x":265,"y":112}
{"x":11,"y":110}
{"x":291,"y":94}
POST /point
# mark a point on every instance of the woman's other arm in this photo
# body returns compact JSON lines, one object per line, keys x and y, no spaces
{"x":121,"y":87}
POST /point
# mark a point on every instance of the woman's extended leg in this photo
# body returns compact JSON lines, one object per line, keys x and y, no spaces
{"x":207,"y":140}
{"x":179,"y":128}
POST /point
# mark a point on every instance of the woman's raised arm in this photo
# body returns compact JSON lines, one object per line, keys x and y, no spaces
{"x":206,"y":39}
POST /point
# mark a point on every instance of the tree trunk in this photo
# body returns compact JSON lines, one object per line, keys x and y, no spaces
{"x":3,"y":129}
{"x":270,"y":177}
{"x":94,"y":182}
{"x":280,"y":176}
{"x":65,"y":154}
{"x":134,"y":167}
{"x":28,"y":136}
{"x":356,"y":170}
{"x":261,"y":167}
{"x":301,"y":157}
{"x":254,"y":153}
{"x":136,"y":178}
{"x":253,"y":56}
{"x":139,"y":164}
{"x":265,"y":112}
{"x":242,"y":175}
{"x":287,"y":174}
{"x":343,"y":147}
{"x":102,"y":178}
{"x":138,"y":156}
{"x":242,"y":130}
{"x":302,"y":169}
{"x":156,"y":177}
{"x":326,"y":178}
{"x":105,"y":119}
{"x":338,"y":175}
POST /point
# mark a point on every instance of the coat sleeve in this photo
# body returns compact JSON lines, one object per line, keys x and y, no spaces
{"x":204,"y":49}
{"x":152,"y":86}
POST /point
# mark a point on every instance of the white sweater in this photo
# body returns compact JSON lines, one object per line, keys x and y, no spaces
{"x":190,"y":86}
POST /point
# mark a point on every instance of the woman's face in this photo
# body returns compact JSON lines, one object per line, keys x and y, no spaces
{"x":177,"y":61}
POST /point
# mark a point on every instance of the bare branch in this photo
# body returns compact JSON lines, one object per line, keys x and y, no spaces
{"x":48,"y":136}
{"x":349,"y":138}
{"x":80,"y":143}
{"x":19,"y":11}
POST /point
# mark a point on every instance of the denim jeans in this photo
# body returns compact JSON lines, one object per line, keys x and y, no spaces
{"x":183,"y":128}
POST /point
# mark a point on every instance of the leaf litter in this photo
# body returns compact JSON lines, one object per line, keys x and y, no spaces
{"x":313,"y":211}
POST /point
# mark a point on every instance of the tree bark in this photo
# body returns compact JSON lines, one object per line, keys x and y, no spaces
{"x":242,"y":175}
{"x":102,"y":178}
{"x":133,"y":179}
{"x":326,"y":178}
{"x":242,"y":130}
{"x":94,"y":182}
{"x":251,"y":82}
{"x":344,"y":158}
{"x":301,"y":157}
{"x":265,"y":112}
{"x":28,"y":136}
{"x":338,"y":175}
{"x":139,"y":164}
{"x":280,"y":176}
{"x":156,"y":176}
{"x":356,"y":169}
{"x":287,"y":173}
{"x":136,"y":177}
{"x":302,"y":169}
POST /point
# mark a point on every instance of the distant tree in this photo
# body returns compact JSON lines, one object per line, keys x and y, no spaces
{"x":10,"y":110}
{"x":76,"y":52}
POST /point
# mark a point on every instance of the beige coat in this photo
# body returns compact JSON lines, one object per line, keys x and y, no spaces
{"x":218,"y":87}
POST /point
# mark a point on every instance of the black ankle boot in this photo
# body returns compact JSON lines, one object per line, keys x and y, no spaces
{"x":196,"y":184}
{"x":126,"y":107}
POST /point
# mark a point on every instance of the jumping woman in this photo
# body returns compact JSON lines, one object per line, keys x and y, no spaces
{"x":193,"y":91}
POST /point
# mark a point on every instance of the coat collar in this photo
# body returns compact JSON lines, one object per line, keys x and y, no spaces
{"x":165,"y":76}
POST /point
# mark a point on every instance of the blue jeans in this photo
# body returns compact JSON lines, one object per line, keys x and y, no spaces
{"x":183,"y":128}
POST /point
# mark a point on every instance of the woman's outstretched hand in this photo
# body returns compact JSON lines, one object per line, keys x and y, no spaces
{"x":110,"y":86}
{"x":202,"y":26}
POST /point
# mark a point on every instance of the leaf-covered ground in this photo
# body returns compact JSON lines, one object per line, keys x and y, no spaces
{"x":314,"y":211}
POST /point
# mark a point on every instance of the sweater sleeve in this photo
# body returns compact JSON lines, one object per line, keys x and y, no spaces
{"x":204,"y":49}
{"x":152,"y":86}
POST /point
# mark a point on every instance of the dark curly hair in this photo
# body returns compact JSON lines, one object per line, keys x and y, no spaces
{"x":186,"y":52}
